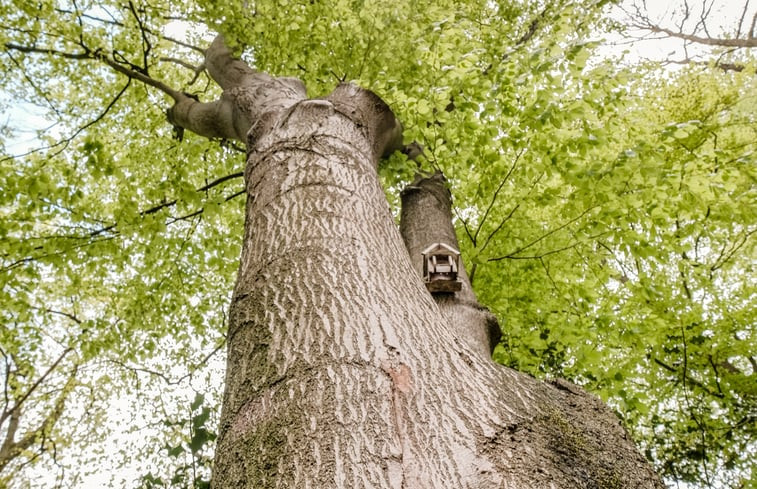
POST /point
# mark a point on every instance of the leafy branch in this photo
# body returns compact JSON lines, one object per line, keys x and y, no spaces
{"x":494,"y":199}
{"x":95,"y":236}
{"x":118,"y":63}
{"x":144,"y":28}
{"x":66,"y":141}
{"x":99,"y":55}
{"x":514,"y":254}
{"x":17,"y":405}
{"x":171,"y":203}
{"x":727,"y":253}
{"x":163,"y":376}
{"x":12,"y":448}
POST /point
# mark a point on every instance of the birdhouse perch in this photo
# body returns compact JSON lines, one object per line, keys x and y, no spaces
{"x":440,"y":266}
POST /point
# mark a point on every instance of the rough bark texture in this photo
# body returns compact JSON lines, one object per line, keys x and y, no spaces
{"x":569,"y":439}
{"x":343,"y":371}
{"x":426,"y":219}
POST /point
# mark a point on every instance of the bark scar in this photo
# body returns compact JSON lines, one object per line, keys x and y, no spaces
{"x":402,"y":381}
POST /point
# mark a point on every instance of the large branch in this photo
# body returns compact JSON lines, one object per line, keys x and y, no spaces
{"x":34,"y":386}
{"x":226,"y":70}
{"x":750,"y":42}
{"x":249,"y":98}
{"x":213,"y":120}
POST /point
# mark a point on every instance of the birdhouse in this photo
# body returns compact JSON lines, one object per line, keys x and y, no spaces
{"x":440,"y":266}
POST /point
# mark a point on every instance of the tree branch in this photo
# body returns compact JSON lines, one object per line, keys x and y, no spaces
{"x":513,"y":254}
{"x":725,"y":256}
{"x":65,"y":142}
{"x":144,"y":29}
{"x":6,"y":380}
{"x":181,"y":62}
{"x":163,"y":376}
{"x":496,"y":193}
{"x":98,"y":55}
{"x":34,"y":386}
{"x":200,"y":211}
{"x":465,"y":225}
{"x":737,"y":67}
{"x":146,"y":45}
{"x":750,"y":42}
{"x":227,"y":70}
{"x":687,"y":378}
{"x":499,"y":226}
{"x":11,"y":448}
{"x":741,"y":19}
{"x":152,"y":210}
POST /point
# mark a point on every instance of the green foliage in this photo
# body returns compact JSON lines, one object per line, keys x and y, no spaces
{"x":607,"y":214}
{"x":640,"y":251}
{"x":102,"y":248}
{"x":193,"y":452}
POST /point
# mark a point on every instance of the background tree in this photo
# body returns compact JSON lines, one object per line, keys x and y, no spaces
{"x":711,"y":32}
{"x":557,"y":168}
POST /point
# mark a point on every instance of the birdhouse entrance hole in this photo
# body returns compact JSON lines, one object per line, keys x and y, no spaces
{"x":440,"y":267}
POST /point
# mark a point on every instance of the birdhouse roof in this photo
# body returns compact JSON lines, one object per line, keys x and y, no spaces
{"x":439,"y":248}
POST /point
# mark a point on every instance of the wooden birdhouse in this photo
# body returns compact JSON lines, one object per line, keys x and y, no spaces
{"x":440,"y":266}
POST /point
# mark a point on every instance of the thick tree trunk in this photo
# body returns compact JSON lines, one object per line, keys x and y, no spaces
{"x":343,"y":371}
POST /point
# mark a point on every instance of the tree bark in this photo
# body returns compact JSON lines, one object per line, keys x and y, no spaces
{"x":426,"y":219}
{"x":343,"y":371}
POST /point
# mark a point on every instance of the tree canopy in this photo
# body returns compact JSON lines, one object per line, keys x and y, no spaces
{"x":605,"y":209}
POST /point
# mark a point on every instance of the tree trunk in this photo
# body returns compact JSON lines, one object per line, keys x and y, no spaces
{"x":343,"y":371}
{"x":426,"y":219}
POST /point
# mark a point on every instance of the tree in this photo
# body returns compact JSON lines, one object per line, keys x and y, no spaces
{"x":360,"y":395}
{"x":541,"y":151}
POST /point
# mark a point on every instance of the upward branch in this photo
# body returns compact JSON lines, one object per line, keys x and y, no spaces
{"x":225,"y":69}
{"x":99,"y":55}
{"x":215,"y":119}
{"x":249,"y":96}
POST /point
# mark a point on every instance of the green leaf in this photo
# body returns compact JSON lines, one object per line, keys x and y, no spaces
{"x":175,"y":451}
{"x":197,"y":402}
{"x":200,"y":437}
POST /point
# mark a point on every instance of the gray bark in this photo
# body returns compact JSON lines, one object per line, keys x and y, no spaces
{"x":426,"y":219}
{"x":343,"y":371}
